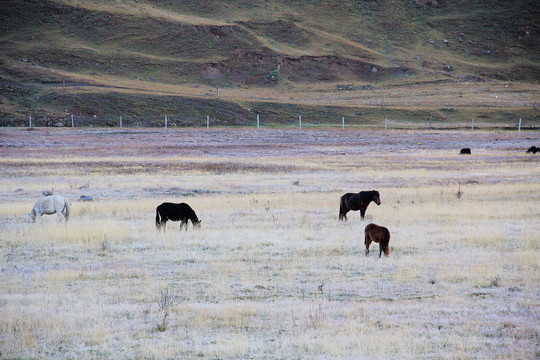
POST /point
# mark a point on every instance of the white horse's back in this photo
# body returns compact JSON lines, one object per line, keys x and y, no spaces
{"x":49,"y":205}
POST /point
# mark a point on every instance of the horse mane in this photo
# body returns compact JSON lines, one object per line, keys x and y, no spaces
{"x":194,"y":217}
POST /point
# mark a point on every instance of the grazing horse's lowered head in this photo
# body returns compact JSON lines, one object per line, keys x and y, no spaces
{"x":358,"y":201}
{"x":49,"y":205}
{"x":176,"y":212}
{"x":196,"y":224}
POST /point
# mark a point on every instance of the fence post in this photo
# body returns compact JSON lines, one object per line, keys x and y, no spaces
{"x":207,"y":121}
{"x":431,"y":117}
{"x":165,"y":121}
{"x":30,"y":120}
{"x":72,"y":124}
{"x":472,"y":124}
{"x":343,"y":122}
{"x":120,"y":120}
{"x":385,"y":123}
{"x":257,"y":121}
{"x":300,"y":121}
{"x":519,"y":126}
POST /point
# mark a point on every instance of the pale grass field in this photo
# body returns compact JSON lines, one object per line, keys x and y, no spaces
{"x":272,"y":273}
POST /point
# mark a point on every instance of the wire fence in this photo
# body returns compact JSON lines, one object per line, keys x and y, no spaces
{"x":178,"y":121}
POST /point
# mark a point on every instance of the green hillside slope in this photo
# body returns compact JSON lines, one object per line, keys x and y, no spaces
{"x":225,"y":59}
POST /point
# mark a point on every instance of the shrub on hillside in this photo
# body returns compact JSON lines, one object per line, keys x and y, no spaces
{"x":273,"y":76}
{"x":422,"y":3}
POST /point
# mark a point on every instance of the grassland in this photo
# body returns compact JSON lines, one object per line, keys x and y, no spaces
{"x":272,"y":273}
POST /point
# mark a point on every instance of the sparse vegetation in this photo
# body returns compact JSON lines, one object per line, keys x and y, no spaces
{"x":166,"y":301}
{"x":104,"y":247}
{"x":459,"y":193}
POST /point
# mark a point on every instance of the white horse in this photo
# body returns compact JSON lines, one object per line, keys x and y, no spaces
{"x":49,"y":205}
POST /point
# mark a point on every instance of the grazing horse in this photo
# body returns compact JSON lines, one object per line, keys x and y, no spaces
{"x":49,"y":205}
{"x":533,"y":150}
{"x":378,"y":234}
{"x":465,"y":151}
{"x":176,"y":212}
{"x":359,"y":201}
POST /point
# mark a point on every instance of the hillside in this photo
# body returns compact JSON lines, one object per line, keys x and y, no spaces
{"x":362,"y":59}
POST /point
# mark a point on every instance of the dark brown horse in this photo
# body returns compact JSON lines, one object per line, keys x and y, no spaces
{"x":378,"y":234}
{"x":355,"y":202}
{"x":176,"y":212}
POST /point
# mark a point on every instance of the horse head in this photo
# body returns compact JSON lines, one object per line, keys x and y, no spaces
{"x":376,"y":197}
{"x":196,"y":224}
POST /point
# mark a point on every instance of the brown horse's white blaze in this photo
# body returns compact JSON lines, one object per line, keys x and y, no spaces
{"x":378,"y":234}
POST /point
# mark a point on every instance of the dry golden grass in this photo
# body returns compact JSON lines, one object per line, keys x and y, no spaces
{"x":272,"y":273}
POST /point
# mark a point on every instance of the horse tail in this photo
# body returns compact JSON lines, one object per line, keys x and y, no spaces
{"x":385,"y":243}
{"x":66,"y":208}
{"x":157,"y":219}
{"x":341,"y":208}
{"x":33,"y":214}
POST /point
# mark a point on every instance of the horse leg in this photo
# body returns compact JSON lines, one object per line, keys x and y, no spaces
{"x":163,"y":225}
{"x":362,"y":213}
{"x":384,"y":247}
{"x":183,"y":224}
{"x":343,"y":214}
{"x":59,"y":215}
{"x":367,"y":241}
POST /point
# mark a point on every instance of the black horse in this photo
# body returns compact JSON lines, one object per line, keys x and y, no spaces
{"x":176,"y":212}
{"x":356,"y":202}
{"x":465,"y":151}
{"x":533,"y":150}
